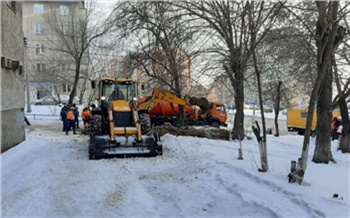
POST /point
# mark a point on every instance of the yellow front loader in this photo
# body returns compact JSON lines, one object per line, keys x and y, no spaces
{"x":116,"y":124}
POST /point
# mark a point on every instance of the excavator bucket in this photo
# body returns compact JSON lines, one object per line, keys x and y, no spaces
{"x":102,"y":147}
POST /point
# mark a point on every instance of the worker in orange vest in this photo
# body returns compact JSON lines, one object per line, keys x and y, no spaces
{"x":71,"y":120}
{"x":86,"y":115}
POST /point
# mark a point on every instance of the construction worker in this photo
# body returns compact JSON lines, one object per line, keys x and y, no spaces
{"x":71,"y":120}
{"x":335,"y":127}
{"x":76,"y":115}
{"x":63,"y":114}
{"x":86,"y":116}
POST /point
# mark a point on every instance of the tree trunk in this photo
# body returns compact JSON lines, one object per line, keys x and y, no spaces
{"x":322,"y":153}
{"x":82,"y":91}
{"x":181,"y":115}
{"x":344,"y":144}
{"x":262,"y":142}
{"x":277,"y":128}
{"x":76,"y":80}
{"x":277,"y":107}
{"x":238,"y":127}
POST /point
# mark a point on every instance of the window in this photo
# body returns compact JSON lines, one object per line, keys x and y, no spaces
{"x":65,"y":29}
{"x":39,"y":28}
{"x":39,"y":49}
{"x":40,"y":67}
{"x":65,"y":67}
{"x":303,"y":114}
{"x":12,"y":5}
{"x":67,"y":87}
{"x":64,"y":10}
{"x":38,"y":9}
{"x":220,"y":108}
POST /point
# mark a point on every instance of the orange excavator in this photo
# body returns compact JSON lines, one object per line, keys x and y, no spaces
{"x":163,"y":107}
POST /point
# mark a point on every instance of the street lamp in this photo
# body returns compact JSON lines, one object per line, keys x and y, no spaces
{"x":29,"y":109}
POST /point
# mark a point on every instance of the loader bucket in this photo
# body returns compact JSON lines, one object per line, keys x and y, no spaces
{"x":102,"y":147}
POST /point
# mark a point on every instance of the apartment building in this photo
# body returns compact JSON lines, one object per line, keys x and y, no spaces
{"x":126,"y":67}
{"x":12,"y":75}
{"x":46,"y":25}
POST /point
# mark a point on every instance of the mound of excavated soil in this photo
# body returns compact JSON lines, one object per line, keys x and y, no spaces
{"x":196,"y":131}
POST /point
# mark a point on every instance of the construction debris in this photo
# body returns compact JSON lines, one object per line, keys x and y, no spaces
{"x":195,"y":131}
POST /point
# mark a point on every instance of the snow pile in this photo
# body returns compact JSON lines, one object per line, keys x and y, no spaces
{"x":50,"y":175}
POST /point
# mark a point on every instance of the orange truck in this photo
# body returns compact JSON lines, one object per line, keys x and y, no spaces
{"x":163,"y":107}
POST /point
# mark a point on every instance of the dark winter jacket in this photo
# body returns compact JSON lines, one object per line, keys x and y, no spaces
{"x":76,"y":113}
{"x":63,"y":113}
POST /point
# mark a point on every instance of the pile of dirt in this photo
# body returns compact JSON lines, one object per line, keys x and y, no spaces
{"x":196,"y":131}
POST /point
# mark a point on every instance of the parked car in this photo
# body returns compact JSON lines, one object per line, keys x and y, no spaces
{"x":65,"y":99}
{"x":230,"y":106}
{"x":284,"y":112}
{"x":268,"y":109}
{"x":54,"y":100}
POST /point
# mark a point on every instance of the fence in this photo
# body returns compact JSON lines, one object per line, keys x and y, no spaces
{"x":43,"y":116}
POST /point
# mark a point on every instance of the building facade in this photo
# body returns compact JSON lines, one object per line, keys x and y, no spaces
{"x":154,"y":72}
{"x":11,"y":73}
{"x":45,"y":24}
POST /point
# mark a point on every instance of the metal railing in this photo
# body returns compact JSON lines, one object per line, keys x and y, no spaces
{"x":35,"y":116}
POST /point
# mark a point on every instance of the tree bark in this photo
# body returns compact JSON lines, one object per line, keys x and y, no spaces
{"x":238,"y":127}
{"x":344,"y":144}
{"x":322,"y":152}
{"x":76,"y":80}
{"x":277,"y":107}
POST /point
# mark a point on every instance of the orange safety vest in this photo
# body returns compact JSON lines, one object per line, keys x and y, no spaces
{"x":70,"y":115}
{"x":85,"y":114}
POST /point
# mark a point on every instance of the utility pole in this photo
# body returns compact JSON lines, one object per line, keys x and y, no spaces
{"x":29,"y":109}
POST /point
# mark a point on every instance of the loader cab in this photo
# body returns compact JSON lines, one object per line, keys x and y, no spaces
{"x":126,"y":90}
{"x":111,"y":89}
{"x":106,"y":88}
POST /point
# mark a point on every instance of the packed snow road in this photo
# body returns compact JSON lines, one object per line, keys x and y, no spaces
{"x":50,"y":175}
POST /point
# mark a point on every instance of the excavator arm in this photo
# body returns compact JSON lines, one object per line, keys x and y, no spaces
{"x":159,"y":95}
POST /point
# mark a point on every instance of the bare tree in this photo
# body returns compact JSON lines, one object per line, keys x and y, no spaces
{"x":164,"y":40}
{"x":74,"y":31}
{"x":229,"y":22}
{"x":325,"y":37}
{"x":290,"y":59}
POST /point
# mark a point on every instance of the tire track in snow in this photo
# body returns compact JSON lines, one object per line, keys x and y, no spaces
{"x":254,"y":182}
{"x":129,"y":191}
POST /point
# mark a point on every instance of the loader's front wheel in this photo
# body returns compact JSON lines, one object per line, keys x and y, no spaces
{"x":145,"y":123}
{"x":215,"y":124}
{"x":96,"y":125}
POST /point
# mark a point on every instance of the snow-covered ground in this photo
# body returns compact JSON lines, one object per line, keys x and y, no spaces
{"x":50,"y":175}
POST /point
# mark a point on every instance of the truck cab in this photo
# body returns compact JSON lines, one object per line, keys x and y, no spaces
{"x":218,"y":111}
